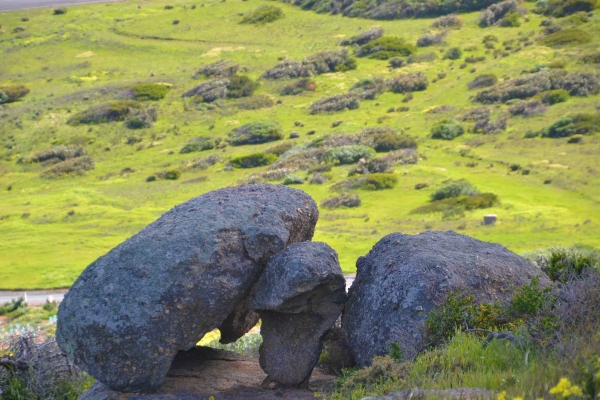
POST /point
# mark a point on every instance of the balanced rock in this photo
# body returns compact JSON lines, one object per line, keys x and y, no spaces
{"x":404,"y":277}
{"x":159,"y":292}
{"x":299,"y":296}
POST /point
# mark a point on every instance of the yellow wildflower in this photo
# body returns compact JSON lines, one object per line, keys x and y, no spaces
{"x":501,"y":396}
{"x":564,"y":388}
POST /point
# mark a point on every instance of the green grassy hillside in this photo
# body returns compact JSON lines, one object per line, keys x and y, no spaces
{"x":52,"y":228}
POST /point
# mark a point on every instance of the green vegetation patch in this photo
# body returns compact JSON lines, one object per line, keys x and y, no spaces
{"x":386,"y":47}
{"x":581,"y":124}
{"x":111,"y":112}
{"x":253,"y":160}
{"x":150,"y":91}
{"x":561,"y":8}
{"x":256,"y":132}
{"x":348,"y":154}
{"x":13,"y":93}
{"x":262,"y":15}
{"x":447,"y":129}
{"x":566,"y":37}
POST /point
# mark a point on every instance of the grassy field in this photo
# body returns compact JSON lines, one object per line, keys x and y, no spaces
{"x":51,"y":229}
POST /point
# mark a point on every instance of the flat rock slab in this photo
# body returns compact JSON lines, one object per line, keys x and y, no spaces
{"x":204,"y":372}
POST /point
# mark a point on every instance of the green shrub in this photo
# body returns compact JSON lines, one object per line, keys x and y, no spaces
{"x":69,"y":167}
{"x":54,"y":155}
{"x":173,"y":174}
{"x":140,"y":118}
{"x":14,"y":92}
{"x":563,"y":264}
{"x":384,"y":142}
{"x":379,"y":181}
{"x":150,"y":91}
{"x":458,"y":204}
{"x":454,"y":189}
{"x":218,"y":69}
{"x":253,"y":160}
{"x":348,"y":154}
{"x":555,"y":96}
{"x":60,"y":11}
{"x":256,"y":132}
{"x":240,"y":86}
{"x":385,"y":48}
{"x":12,"y":306}
{"x":343,"y":200}
{"x":448,"y":21}
{"x":262,"y":15}
{"x":561,"y":8}
{"x":483,"y":81}
{"x":255,"y":102}
{"x":111,"y":112}
{"x":408,"y":83}
{"x":447,"y":130}
{"x":279,"y":149}
{"x":511,"y":20}
{"x":299,"y":87}
{"x":566,"y":37}
{"x":567,"y":126}
{"x":292,"y":179}
{"x":593,"y":58}
{"x":3,"y":97}
{"x":337,"y":102}
{"x":364,"y":38}
{"x":200,"y":144}
{"x":453,"y":53}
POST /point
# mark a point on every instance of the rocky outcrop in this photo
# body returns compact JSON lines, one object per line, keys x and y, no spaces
{"x":404,"y":276}
{"x":203,"y":372}
{"x":299,"y":296}
{"x":132,"y":310}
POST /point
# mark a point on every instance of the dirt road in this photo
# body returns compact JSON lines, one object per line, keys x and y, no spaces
{"x":17,"y":5}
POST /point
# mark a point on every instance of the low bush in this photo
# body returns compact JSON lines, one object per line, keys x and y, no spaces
{"x":446,"y":129}
{"x":209,"y":91}
{"x":482,"y":81}
{"x":511,"y":20}
{"x":343,"y":200}
{"x":141,"y":118}
{"x":525,"y":86}
{"x":385,"y":48}
{"x":255,"y":132}
{"x":384,"y":142}
{"x":369,"y":88}
{"x":262,"y":15}
{"x":453,"y":53}
{"x":14,"y":93}
{"x":200,"y":163}
{"x":476,"y":114}
{"x":377,"y":181}
{"x":110,"y":112}
{"x":561,"y":8}
{"x":255,"y":102}
{"x":566,"y":37}
{"x":60,"y":11}
{"x":338,"y":102}
{"x":572,"y":125}
{"x":348,"y":154}
{"x":3,"y":97}
{"x":429,"y":39}
{"x":496,"y":12}
{"x":448,"y":21}
{"x":279,"y":149}
{"x":69,"y":167}
{"x":54,"y":155}
{"x":527,"y":108}
{"x":454,"y":189}
{"x":489,"y":126}
{"x":200,"y":144}
{"x":474,"y":59}
{"x":240,"y":86}
{"x":218,"y":69}
{"x":298,"y":87}
{"x":408,"y":83}
{"x":564,"y":264}
{"x":292,"y":179}
{"x":398,"y":62}
{"x":150,"y":91}
{"x":592,"y":58}
{"x":173,"y":175}
{"x":253,"y":160}
{"x":555,"y":96}
{"x":318,"y":63}
{"x":364,"y":38}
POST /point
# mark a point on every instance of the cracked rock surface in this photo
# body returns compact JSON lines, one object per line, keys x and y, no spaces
{"x":299,"y":296}
{"x":404,"y":277}
{"x":130,"y":312}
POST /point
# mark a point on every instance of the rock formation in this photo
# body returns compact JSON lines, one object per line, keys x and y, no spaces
{"x":133,"y":309}
{"x":404,"y":276}
{"x":299,"y":296}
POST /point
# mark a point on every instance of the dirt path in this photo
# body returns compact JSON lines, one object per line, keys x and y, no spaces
{"x":37,"y":297}
{"x":17,"y":5}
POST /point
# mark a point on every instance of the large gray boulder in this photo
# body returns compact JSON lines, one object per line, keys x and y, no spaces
{"x":159,"y":292}
{"x":299,"y":296}
{"x":404,"y":277}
